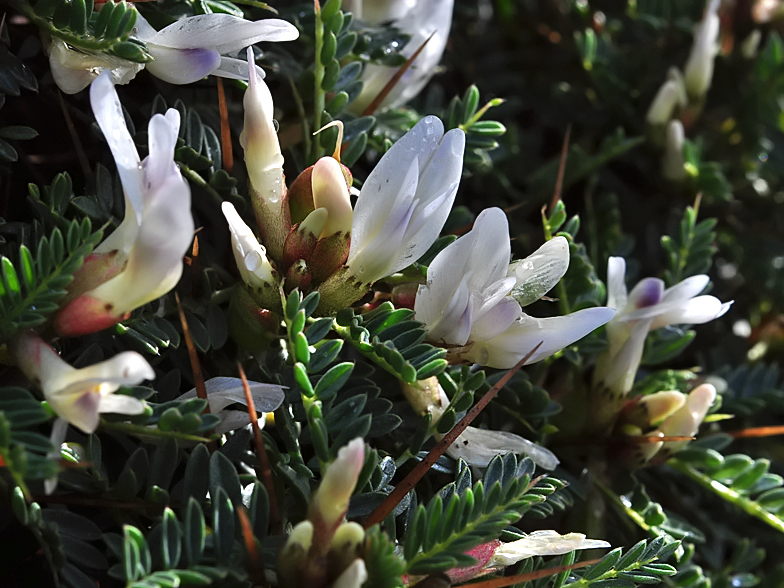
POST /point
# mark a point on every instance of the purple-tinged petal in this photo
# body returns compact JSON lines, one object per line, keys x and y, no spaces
{"x":182,"y":66}
{"x":647,"y":293}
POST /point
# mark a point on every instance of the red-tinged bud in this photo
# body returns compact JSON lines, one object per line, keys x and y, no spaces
{"x":482,"y":554}
{"x":298,"y":276}
{"x":329,"y":256}
{"x":303,"y":238}
{"x":252,"y":327}
{"x":300,"y":194}
{"x":85,"y":315}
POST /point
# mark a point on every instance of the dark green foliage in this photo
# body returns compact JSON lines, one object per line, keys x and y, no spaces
{"x":392,"y":340}
{"x":31,"y":288}
{"x":454,"y":522}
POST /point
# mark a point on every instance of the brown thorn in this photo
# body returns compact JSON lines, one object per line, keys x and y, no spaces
{"x":757,"y":432}
{"x":265,"y":471}
{"x":226,"y":149}
{"x":394,"y":80}
{"x":254,"y":557}
{"x":198,"y":377}
{"x":413,"y":477}
{"x":519,"y":578}
{"x":74,"y":137}
{"x":561,"y":169}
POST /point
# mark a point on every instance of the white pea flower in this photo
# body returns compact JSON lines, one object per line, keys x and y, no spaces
{"x":142,"y":259}
{"x":223,"y":392}
{"x":684,"y":422}
{"x":699,"y":67}
{"x":405,"y":200}
{"x":74,"y":69}
{"x":542,"y":543}
{"x":251,"y":257}
{"x":649,"y":306}
{"x":419,"y":19}
{"x":472,"y":298}
{"x":79,"y":396}
{"x":192,"y":48}
{"x":477,"y":447}
{"x":183,"y":52}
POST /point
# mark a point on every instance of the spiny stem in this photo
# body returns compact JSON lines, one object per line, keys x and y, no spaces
{"x":521,"y":578}
{"x":405,"y":486}
{"x":261,"y":453}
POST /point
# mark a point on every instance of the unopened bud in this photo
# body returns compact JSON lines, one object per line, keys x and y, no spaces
{"x":293,"y":557}
{"x":353,"y":577}
{"x":303,"y":238}
{"x":330,"y":502}
{"x":699,"y":67}
{"x":255,"y":268}
{"x":670,"y":97}
{"x":673,"y":162}
{"x":330,"y":192}
{"x":329,"y":255}
{"x":345,"y":547}
{"x":298,"y":276}
{"x":259,"y":137}
{"x":661,"y":405}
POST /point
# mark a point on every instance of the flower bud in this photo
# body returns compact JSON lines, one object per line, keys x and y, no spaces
{"x":303,"y":238}
{"x":330,"y":502}
{"x":672,"y":162}
{"x":255,"y":268}
{"x":670,"y":97}
{"x":699,"y":67}
{"x":259,"y":139}
{"x":686,"y":421}
{"x":330,"y":192}
{"x":353,"y":577}
{"x":292,"y":558}
{"x":660,"y":406}
{"x":345,"y":547}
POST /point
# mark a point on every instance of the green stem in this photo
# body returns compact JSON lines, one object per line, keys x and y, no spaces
{"x":623,"y":507}
{"x":318,"y":72}
{"x":345,"y":334}
{"x":728,"y":494}
{"x":140,"y":431}
{"x":481,"y":112}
